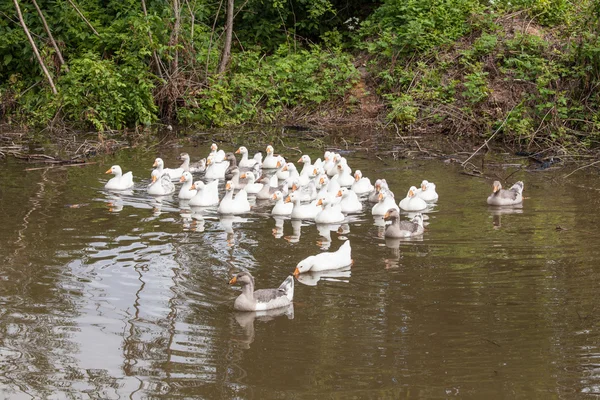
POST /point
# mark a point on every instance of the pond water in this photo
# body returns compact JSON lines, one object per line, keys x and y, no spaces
{"x":106,"y":296}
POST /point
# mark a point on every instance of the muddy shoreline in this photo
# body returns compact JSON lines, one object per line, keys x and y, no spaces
{"x":479,"y":157}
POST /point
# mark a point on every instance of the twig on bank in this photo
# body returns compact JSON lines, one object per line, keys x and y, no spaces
{"x":491,"y":137}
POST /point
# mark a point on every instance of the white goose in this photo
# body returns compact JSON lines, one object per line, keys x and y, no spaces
{"x":161,"y":186}
{"x":215,"y":170}
{"x":350,"y":202}
{"x":331,"y":212}
{"x":187,"y":192}
{"x":326,"y":261}
{"x":302,"y":211}
{"x":174,"y":173}
{"x":251,"y":187}
{"x":206,"y":194}
{"x":281,"y":207}
{"x":344,"y":176}
{"x":361,"y":185}
{"x":245,"y":162}
{"x":411,"y":202}
{"x":386,"y":201}
{"x":270,"y":161}
{"x":233,"y":205}
{"x":120,"y":181}
{"x":427,"y":192}
{"x":217,"y":155}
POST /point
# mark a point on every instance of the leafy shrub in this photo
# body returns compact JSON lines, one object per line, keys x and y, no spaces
{"x":107,"y":95}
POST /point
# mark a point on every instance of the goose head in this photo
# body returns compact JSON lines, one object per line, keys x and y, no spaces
{"x":357,"y":175}
{"x":249,"y":175}
{"x":229,"y":186}
{"x":304,"y":266}
{"x":424,"y":185}
{"x":497,"y":186}
{"x":242,"y":150}
{"x":242,"y":278}
{"x":184,"y":157}
{"x":343,"y":192}
{"x":214,"y":147}
{"x":305,"y":159}
{"x":277,"y":195}
{"x":391,"y":215}
{"x":270,"y":149}
{"x":115,"y":170}
{"x":158,"y":163}
{"x":185,"y":177}
{"x":198,"y":185}
{"x":411,"y":192}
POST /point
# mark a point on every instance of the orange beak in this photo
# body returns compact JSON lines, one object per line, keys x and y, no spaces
{"x":387,"y":214}
{"x":495,"y":188}
{"x":356,"y":178}
{"x":182,"y":179}
{"x":288,"y":199}
{"x":237,"y":151}
{"x":243,"y":176}
{"x":377,"y":188}
{"x":320,"y":202}
{"x":233,"y":280}
{"x":411,"y":193}
{"x":322,"y":181}
{"x":300,"y":160}
{"x":228,"y":186}
{"x":193,"y":187}
{"x":423,"y":187}
{"x":278,"y":164}
{"x":274,"y":197}
{"x":155,"y":164}
{"x":380,"y":196}
{"x":109,"y":171}
{"x":213,"y":147}
{"x":339,"y":193}
{"x":315,"y":171}
{"x":294,"y":187}
{"x":209,"y":161}
{"x":296,"y":272}
{"x":285,"y":168}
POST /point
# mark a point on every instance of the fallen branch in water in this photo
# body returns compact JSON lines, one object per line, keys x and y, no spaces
{"x":585,"y":166}
{"x":77,"y":164}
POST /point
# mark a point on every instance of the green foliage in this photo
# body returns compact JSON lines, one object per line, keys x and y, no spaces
{"x":545,"y":12}
{"x":259,"y":88}
{"x":403,"y":109}
{"x":107,"y":95}
{"x":476,"y":87}
{"x":407,"y":26}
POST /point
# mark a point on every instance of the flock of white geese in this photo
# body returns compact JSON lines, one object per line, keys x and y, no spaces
{"x":324,"y":191}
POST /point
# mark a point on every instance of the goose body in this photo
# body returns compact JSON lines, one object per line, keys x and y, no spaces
{"x":268,"y":190}
{"x":361,"y":185}
{"x":402,"y":229}
{"x":215,"y":170}
{"x":245,"y":162}
{"x":251,"y":187}
{"x":206,"y":194}
{"x":302,"y":211}
{"x":187,"y":192}
{"x":217,"y":155}
{"x":174,"y":173}
{"x":326,"y":261}
{"x":281,"y":207}
{"x":161,"y":186}
{"x":380,"y":184}
{"x":263,"y":299}
{"x":120,"y":181}
{"x":427,"y":192}
{"x":350,"y":202}
{"x":330,"y":214}
{"x":270,"y":161}
{"x":233,"y":205}
{"x":386,"y":201}
{"x":411,"y":202}
{"x":503,"y":197}
{"x":344,"y":176}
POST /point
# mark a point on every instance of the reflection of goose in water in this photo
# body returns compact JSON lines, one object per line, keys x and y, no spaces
{"x":296,"y":231}
{"x":311,"y":278}
{"x":197,"y":223}
{"x":325,"y":234}
{"x":278,"y":230}
{"x":115,"y":203}
{"x":498,"y":212}
{"x":246,"y":321}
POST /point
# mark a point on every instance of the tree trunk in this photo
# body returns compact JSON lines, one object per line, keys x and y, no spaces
{"x":175,"y":36}
{"x":154,"y":54}
{"x":47,"y":28}
{"x":226,"y":55}
{"x":35,"y":49}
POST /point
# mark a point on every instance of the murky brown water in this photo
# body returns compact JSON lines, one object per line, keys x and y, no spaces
{"x":127,"y":297}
